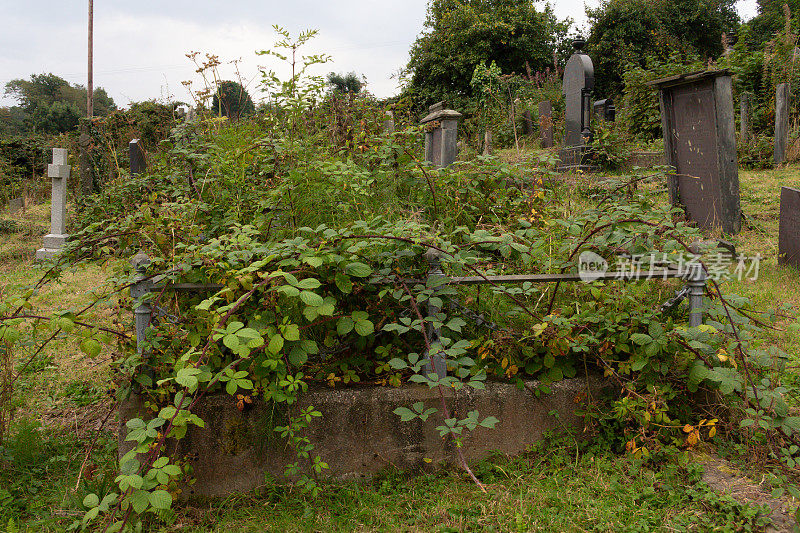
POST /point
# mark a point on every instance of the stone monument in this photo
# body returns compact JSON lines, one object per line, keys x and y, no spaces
{"x":697,"y":120}
{"x":546,"y":123}
{"x":744,"y":117}
{"x":441,"y":135}
{"x":58,"y":172}
{"x":138,"y":163}
{"x":388,"y":122}
{"x":781,"y":122}
{"x":789,"y":232}
{"x":578,"y":86}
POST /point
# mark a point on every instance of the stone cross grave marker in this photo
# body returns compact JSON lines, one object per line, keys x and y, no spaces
{"x":697,"y":119}
{"x":546,"y":123}
{"x":578,"y":86}
{"x":138,"y":163}
{"x":782,"y":94}
{"x":441,"y":135}
{"x":789,"y":231}
{"x":58,"y":172}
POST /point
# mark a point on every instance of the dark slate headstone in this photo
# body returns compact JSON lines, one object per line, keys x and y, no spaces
{"x":697,"y":119}
{"x":546,"y":123}
{"x":789,"y":232}
{"x":578,"y":86}
{"x":138,"y":163}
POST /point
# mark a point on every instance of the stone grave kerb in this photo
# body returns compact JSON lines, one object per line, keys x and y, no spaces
{"x":58,"y":172}
{"x":441,"y":135}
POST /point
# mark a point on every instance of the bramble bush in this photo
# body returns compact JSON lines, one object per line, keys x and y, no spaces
{"x":317,"y":241}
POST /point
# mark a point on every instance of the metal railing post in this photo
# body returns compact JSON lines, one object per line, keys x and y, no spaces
{"x":696,"y":280}
{"x":436,"y":363}
{"x":143,"y":313}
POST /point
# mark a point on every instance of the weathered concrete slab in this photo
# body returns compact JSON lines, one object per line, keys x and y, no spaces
{"x":359,"y":435}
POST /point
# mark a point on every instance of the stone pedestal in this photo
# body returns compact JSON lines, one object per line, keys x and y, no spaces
{"x":441,"y":135}
{"x":58,"y":172}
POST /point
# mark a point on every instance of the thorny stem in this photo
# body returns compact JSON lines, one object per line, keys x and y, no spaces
{"x":445,"y":410}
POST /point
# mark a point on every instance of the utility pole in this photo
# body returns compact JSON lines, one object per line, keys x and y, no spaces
{"x":86,"y":185}
{"x":90,"y":86}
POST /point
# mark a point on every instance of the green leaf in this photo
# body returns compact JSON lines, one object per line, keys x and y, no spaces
{"x":344,"y":283}
{"x":91,"y":347}
{"x":92,"y":500}
{"x":489,"y":422}
{"x":140,"y":501}
{"x":405,"y":414}
{"x":275,"y":344}
{"x":345,"y":325}
{"x":311,"y":298}
{"x":161,"y":499}
{"x":641,"y":339}
{"x":308,"y":283}
{"x":291,"y":332}
{"x":358,"y":270}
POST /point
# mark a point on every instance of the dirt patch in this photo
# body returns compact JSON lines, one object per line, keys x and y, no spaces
{"x":721,"y":476}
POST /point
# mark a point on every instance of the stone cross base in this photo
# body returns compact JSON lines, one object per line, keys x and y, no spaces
{"x":52,"y":246}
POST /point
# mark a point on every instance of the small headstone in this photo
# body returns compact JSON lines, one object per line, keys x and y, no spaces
{"x":546,"y":123}
{"x":138,"y":163}
{"x":697,"y":119}
{"x":487,"y":142}
{"x":605,"y":110}
{"x":441,"y":135}
{"x":388,"y":123}
{"x":744,"y":117}
{"x":789,"y":231}
{"x":781,"y":122}
{"x":191,"y":116}
{"x":58,"y":172}
{"x":15,"y":204}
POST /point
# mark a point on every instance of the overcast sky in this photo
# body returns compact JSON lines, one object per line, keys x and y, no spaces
{"x":140,"y":46}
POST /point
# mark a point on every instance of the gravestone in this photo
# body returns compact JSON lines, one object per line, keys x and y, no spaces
{"x":700,"y":143}
{"x":781,"y":122}
{"x":789,"y":232}
{"x":578,"y":86}
{"x":605,"y":110}
{"x":58,"y":172}
{"x":388,"y":123}
{"x":138,"y":163}
{"x":15,"y":204}
{"x":546,"y":123}
{"x":441,"y":135}
{"x":744,"y":117}
{"x":487,"y":142}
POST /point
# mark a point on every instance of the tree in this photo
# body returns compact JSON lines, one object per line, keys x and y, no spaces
{"x":344,"y":83}
{"x":51,"y":105}
{"x":628,"y":33}
{"x":232,"y":100}
{"x":459,"y":35}
{"x":771,"y":19}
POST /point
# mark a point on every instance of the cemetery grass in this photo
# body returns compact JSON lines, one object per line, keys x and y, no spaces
{"x":61,"y":400}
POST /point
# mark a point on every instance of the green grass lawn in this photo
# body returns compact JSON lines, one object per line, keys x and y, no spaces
{"x":61,"y":400}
